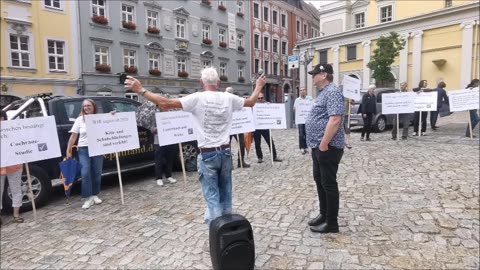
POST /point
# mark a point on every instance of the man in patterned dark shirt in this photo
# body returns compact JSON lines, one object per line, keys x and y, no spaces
{"x":325,"y":135}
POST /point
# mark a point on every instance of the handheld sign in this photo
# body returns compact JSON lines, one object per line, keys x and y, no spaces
{"x":175,"y":127}
{"x":351,"y":88}
{"x":28,"y":140}
{"x":270,"y":116}
{"x":242,"y":121}
{"x":111,"y":133}
{"x":396,"y":103}
{"x":463,"y":100}
{"x":426,"y":101}
{"x":302,"y":109}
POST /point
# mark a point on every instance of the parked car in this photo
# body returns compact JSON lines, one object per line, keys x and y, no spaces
{"x":380,"y":121}
{"x":45,"y":173}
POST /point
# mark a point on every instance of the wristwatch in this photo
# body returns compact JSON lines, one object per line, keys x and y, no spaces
{"x":143,"y":91}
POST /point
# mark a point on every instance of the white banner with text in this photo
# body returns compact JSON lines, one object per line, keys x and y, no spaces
{"x":351,"y":88}
{"x":175,"y":127}
{"x":463,"y":100}
{"x":302,"y":110}
{"x":426,"y":101}
{"x":396,"y":103}
{"x":242,"y":121}
{"x":270,"y":116}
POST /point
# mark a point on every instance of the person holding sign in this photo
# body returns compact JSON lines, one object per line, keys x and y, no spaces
{"x":212,"y":111}
{"x":302,"y":136}
{"x":473,"y":113}
{"x":265,"y":133}
{"x":368,"y":108}
{"x":14,"y":175}
{"x":404,"y":118}
{"x":441,"y":99}
{"x":91,"y":166}
{"x":422,"y":87}
{"x":325,"y":135}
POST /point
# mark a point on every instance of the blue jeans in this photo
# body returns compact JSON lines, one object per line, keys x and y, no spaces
{"x":474,"y":119}
{"x":215,"y":175}
{"x":91,"y":172}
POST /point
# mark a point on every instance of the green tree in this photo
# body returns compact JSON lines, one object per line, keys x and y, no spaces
{"x":388,"y":47}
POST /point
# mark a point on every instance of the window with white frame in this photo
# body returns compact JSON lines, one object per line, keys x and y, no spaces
{"x":314,"y":32}
{"x":55,"y":4}
{"x":266,"y":43}
{"x":222,"y":34}
{"x":284,"y":48}
{"x":275,"y":17}
{"x":305,"y":30}
{"x":223,"y":69}
{"x":323,"y":55}
{"x":284,"y":20}
{"x":56,"y":55}
{"x":386,"y":14}
{"x":351,"y":52}
{"x":221,"y":3}
{"x":206,"y":63}
{"x":152,"y":19}
{"x":182,"y":64}
{"x":153,"y":61}
{"x":266,"y":12}
{"x":20,"y":51}
{"x":298,"y":27}
{"x":240,"y":40}
{"x":240,"y":6}
{"x":181,"y":31}
{"x":127,"y":13}
{"x":256,"y":41}
{"x":275,"y":68}
{"x":241,"y":71}
{"x":360,"y":20}
{"x":266,"y":64}
{"x":275,"y":45}
{"x":98,"y":7}
{"x":256,"y":9}
{"x":133,"y":96}
{"x":129,"y":57}
{"x":256,"y":66}
{"x":101,"y":55}
{"x":206,"y":31}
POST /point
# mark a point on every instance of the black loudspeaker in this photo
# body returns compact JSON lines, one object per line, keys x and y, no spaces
{"x":231,"y":243}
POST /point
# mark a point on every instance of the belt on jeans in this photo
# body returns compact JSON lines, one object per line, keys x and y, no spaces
{"x":211,"y":149}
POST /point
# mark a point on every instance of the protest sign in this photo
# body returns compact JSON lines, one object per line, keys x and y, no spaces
{"x":463,"y":100}
{"x":351,"y":88}
{"x":175,"y":127}
{"x":28,"y":140}
{"x":270,"y":116}
{"x":396,"y":103}
{"x":302,"y":109}
{"x":111,"y":133}
{"x":242,"y":121}
{"x":426,"y":101}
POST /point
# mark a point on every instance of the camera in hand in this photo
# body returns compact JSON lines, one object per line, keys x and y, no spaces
{"x":122,"y":78}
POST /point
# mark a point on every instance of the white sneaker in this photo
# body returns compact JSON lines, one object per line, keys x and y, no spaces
{"x":171,"y":180}
{"x":89,"y":202}
{"x":96,"y":200}
{"x":160,"y":182}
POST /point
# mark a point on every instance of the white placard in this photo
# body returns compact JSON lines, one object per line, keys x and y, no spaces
{"x":28,"y":140}
{"x":293,"y":61}
{"x":242,"y":121}
{"x":426,"y":101}
{"x":463,"y":100}
{"x":110,"y":133}
{"x":396,"y":103}
{"x":232,"y":31}
{"x":302,"y":109}
{"x":175,"y":127}
{"x":351,"y":88}
{"x":270,"y":116}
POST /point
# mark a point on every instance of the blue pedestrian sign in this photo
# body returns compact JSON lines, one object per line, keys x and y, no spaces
{"x":293,"y":61}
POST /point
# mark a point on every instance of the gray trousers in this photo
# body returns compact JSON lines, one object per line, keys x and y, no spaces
{"x":404,"y":121}
{"x":15,"y":184}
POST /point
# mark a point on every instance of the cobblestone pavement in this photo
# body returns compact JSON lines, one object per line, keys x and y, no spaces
{"x":404,"y":204}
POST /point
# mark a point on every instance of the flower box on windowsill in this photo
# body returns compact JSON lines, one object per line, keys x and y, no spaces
{"x":129,"y":25}
{"x":241,"y":79}
{"x":241,"y":49}
{"x":155,"y":72}
{"x":130,"y":69}
{"x":240,"y":14}
{"x":223,"y":78}
{"x":222,"y":44}
{"x":102,"y":68}
{"x":222,"y":8}
{"x":207,"y":41}
{"x":183,"y":74}
{"x":153,"y":30}
{"x":100,"y":19}
{"x":206,"y":2}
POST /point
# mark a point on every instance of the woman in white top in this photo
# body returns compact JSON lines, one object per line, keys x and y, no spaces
{"x":91,"y":166}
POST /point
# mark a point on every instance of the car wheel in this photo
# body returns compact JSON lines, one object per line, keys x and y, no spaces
{"x":41,"y":187}
{"x":381,"y":124}
{"x":189,"y":152}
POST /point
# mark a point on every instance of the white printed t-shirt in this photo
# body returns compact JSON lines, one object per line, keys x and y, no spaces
{"x":212,"y":112}
{"x":80,"y":128}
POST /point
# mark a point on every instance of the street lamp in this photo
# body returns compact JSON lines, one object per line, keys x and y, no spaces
{"x":307,"y":58}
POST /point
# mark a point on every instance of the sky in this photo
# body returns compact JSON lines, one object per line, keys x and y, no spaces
{"x":318,"y":3}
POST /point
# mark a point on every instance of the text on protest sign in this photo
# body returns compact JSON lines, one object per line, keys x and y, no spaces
{"x":302,"y":110}
{"x":109,"y":133}
{"x":242,"y":121}
{"x":463,"y":100}
{"x":396,"y":103}
{"x":426,"y":101}
{"x":28,"y":140}
{"x":351,"y":88}
{"x":175,"y":127}
{"x":270,"y":116}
